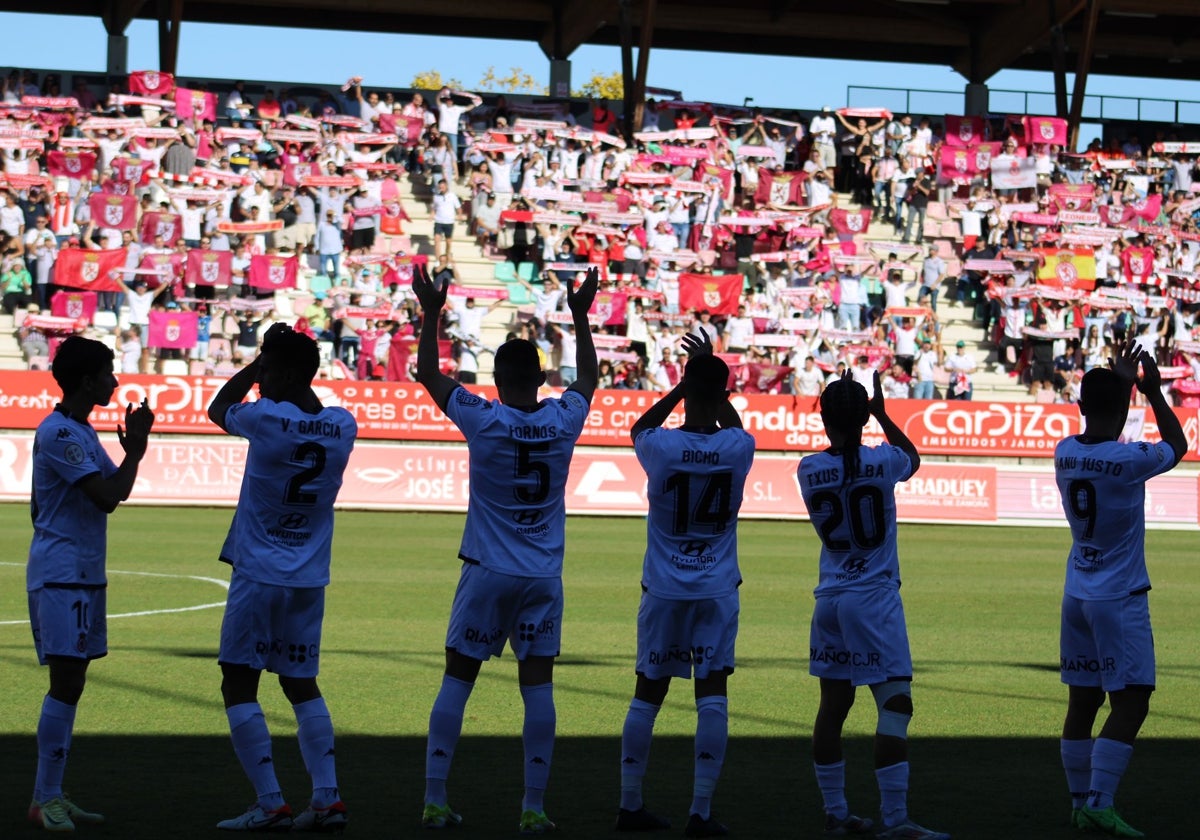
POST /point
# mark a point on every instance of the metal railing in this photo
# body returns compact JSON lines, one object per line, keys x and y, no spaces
{"x":1096,"y":107}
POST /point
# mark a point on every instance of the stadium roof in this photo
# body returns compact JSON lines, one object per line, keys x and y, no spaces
{"x":977,"y":38}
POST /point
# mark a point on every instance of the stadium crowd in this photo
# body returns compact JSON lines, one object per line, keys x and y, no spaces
{"x":165,"y":219}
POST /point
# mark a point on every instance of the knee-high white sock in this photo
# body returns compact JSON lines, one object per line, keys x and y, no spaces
{"x":1109,"y":760}
{"x":893,"y":793}
{"x":538,"y":739}
{"x":712,"y":734}
{"x":635,"y":751}
{"x":314,"y":729}
{"x":252,"y":744}
{"x":831,"y":779}
{"x":445,"y":725}
{"x":1077,"y":764}
{"x":54,"y":745}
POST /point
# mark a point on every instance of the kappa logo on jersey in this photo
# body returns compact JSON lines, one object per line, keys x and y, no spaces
{"x":527,"y":517}
{"x":694,"y":548}
{"x":292,"y":521}
{"x":464,"y":397}
{"x":62,"y":433}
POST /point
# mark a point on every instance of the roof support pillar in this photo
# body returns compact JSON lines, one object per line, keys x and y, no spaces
{"x":170,"y":15}
{"x":645,"y":36}
{"x":1081,"y":72}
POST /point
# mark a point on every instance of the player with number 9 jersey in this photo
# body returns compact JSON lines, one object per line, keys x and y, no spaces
{"x":855,"y":516}
{"x":519,"y":460}
{"x":1103,"y":487}
{"x":282,"y":531}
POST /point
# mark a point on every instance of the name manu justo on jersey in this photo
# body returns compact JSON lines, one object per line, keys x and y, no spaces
{"x":1100,"y":465}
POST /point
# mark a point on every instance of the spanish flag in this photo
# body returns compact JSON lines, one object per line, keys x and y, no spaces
{"x":1067,"y":268}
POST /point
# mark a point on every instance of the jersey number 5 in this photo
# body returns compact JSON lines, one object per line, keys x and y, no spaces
{"x":526,"y":466}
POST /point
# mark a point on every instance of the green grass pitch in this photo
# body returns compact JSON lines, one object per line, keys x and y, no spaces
{"x":152,"y":750}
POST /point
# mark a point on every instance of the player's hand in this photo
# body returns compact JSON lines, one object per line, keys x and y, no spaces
{"x":1124,"y":362}
{"x":579,"y":300}
{"x":875,"y":400}
{"x":430,"y":295}
{"x":273,"y":332}
{"x":1151,"y":380}
{"x":136,"y":434}
{"x":697,"y":345}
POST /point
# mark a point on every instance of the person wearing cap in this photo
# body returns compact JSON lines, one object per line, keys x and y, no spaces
{"x":960,"y":366}
{"x":486,"y":223}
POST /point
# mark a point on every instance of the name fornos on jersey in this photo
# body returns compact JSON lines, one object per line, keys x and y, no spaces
{"x":516,"y":514}
{"x":694,"y":481}
{"x":282,"y":531}
{"x":855,"y":518}
{"x":1103,"y":489}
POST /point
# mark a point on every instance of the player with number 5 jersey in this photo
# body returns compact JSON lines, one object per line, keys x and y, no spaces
{"x":510,"y":583}
{"x":858,"y":634}
{"x":280,"y":545}
{"x":1106,"y":645}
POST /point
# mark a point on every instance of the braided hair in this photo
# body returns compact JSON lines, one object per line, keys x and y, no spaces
{"x":845,"y":407}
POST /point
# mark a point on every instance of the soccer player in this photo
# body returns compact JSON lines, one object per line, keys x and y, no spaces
{"x":279,"y":545}
{"x":510,"y":586}
{"x":688,"y":618}
{"x":858,"y":636}
{"x":1106,"y":645}
{"x":75,"y":486}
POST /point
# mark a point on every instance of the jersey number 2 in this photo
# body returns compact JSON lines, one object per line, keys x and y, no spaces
{"x":312,"y":457}
{"x":873,"y":496}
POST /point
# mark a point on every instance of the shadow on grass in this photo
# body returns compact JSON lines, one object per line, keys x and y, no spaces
{"x":163,"y":786}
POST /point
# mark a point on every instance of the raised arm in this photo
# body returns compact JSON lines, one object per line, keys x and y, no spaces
{"x":107,"y":493}
{"x":1168,"y":423}
{"x":432,"y":298}
{"x":891,"y":431}
{"x":579,"y":301}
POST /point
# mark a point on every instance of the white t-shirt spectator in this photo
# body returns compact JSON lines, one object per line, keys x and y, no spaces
{"x":445,"y":207}
{"x":739,"y":332}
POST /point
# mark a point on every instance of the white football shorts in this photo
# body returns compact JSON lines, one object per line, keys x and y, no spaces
{"x":859,"y":636}
{"x":491,"y":608}
{"x":1107,"y":644}
{"x":272,"y":628}
{"x":67,"y":622}
{"x":686,"y":638}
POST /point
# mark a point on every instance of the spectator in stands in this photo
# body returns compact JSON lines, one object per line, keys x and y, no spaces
{"x":918,"y":201}
{"x":16,"y":282}
{"x":447,"y":208}
{"x":808,"y":381}
{"x":933,"y":274}
{"x":925,"y":365}
{"x":960,"y":366}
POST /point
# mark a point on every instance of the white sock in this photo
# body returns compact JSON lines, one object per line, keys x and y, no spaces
{"x":54,"y":745}
{"x":712,"y":734}
{"x":635,"y":751}
{"x":445,"y":725}
{"x":1077,"y":764}
{"x":537,"y":736}
{"x":893,"y":793}
{"x":314,"y":729}
{"x":252,"y":744}
{"x":1109,"y":760}
{"x":831,"y":779}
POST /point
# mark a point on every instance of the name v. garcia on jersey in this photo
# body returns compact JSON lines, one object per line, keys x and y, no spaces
{"x":314,"y":428}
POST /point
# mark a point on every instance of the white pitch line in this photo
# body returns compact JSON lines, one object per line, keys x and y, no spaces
{"x":224,"y":584}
